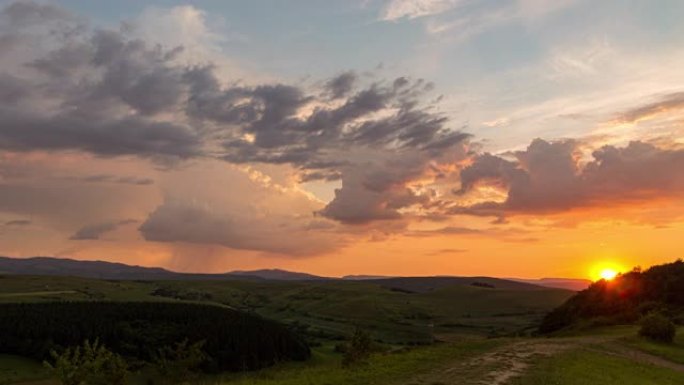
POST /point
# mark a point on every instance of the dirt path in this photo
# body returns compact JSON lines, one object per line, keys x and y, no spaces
{"x":499,"y":366}
{"x":512,"y":360}
{"x":496,"y":367}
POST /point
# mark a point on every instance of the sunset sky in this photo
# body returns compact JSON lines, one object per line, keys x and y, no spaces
{"x":510,"y":138}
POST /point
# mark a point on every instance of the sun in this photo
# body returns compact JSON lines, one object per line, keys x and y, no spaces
{"x":608,"y":274}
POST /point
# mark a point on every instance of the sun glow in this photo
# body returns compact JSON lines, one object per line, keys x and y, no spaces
{"x":605,"y":270}
{"x":608,"y":274}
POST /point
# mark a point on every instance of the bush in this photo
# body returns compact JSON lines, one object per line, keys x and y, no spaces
{"x":180,"y":363}
{"x":358,"y":349}
{"x":657,"y":327}
{"x":91,"y":364}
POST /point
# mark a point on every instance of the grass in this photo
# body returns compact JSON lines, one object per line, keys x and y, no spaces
{"x":392,"y":317}
{"x":673,"y":352}
{"x":323,"y":369}
{"x":14,"y":369}
{"x":583,"y":367}
{"x":385,"y":369}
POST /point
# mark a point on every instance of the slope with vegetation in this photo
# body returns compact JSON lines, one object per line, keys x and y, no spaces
{"x":232,"y":340}
{"x":624,"y":299}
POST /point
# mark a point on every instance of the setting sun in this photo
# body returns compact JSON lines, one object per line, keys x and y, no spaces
{"x":608,"y":274}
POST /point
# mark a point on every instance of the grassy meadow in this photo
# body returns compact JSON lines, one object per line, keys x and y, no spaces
{"x":454,"y":334}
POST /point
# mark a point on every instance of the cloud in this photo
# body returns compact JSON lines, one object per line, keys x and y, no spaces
{"x":550,"y":177}
{"x":411,"y":9}
{"x":89,"y":90}
{"x":341,"y":85}
{"x":191,"y":223}
{"x":666,"y":103}
{"x":18,"y":222}
{"x":108,"y":178}
{"x":244,"y":210}
{"x":95,"y":231}
{"x":446,"y":252}
{"x":111,"y":93}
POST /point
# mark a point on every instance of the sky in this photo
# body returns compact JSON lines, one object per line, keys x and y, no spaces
{"x":509,"y":138}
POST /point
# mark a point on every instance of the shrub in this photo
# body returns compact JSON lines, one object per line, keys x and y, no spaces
{"x":180,"y":363}
{"x":91,"y":364}
{"x":657,"y":327}
{"x":358,"y":349}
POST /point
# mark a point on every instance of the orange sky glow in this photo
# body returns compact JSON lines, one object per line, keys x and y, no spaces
{"x":191,"y":138}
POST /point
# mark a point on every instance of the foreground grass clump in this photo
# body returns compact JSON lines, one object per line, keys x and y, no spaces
{"x":583,"y":367}
{"x":657,"y":327}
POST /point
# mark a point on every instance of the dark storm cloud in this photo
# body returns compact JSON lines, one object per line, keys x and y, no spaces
{"x":549,"y":177}
{"x":95,"y":231}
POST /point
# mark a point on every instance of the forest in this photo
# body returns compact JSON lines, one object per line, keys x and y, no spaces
{"x":231,"y":340}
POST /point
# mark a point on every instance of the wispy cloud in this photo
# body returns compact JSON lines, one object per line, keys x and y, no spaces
{"x":411,"y":9}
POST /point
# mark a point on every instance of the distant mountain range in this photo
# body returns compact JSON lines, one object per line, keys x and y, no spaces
{"x":120,"y":271}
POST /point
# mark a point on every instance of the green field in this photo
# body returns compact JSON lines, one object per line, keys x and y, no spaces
{"x":474,"y":332}
{"x":326,"y":310}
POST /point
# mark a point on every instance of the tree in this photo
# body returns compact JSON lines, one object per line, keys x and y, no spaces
{"x":657,"y":327}
{"x":358,"y":349}
{"x":91,"y":364}
{"x":179,"y":363}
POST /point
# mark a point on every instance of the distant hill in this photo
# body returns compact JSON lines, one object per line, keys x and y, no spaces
{"x":624,"y":299}
{"x":85,"y":269}
{"x":277,"y":275}
{"x":559,"y":283}
{"x":119,"y":271}
{"x":428,"y":284}
{"x":365,"y":277}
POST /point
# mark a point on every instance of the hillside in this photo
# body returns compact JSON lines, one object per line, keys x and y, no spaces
{"x":324,"y":310}
{"x":624,"y":299}
{"x":231,"y":339}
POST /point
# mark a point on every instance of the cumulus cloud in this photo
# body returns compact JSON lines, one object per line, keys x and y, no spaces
{"x":111,"y":93}
{"x":244,"y":210}
{"x":551,"y":177}
{"x":89,"y":90}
